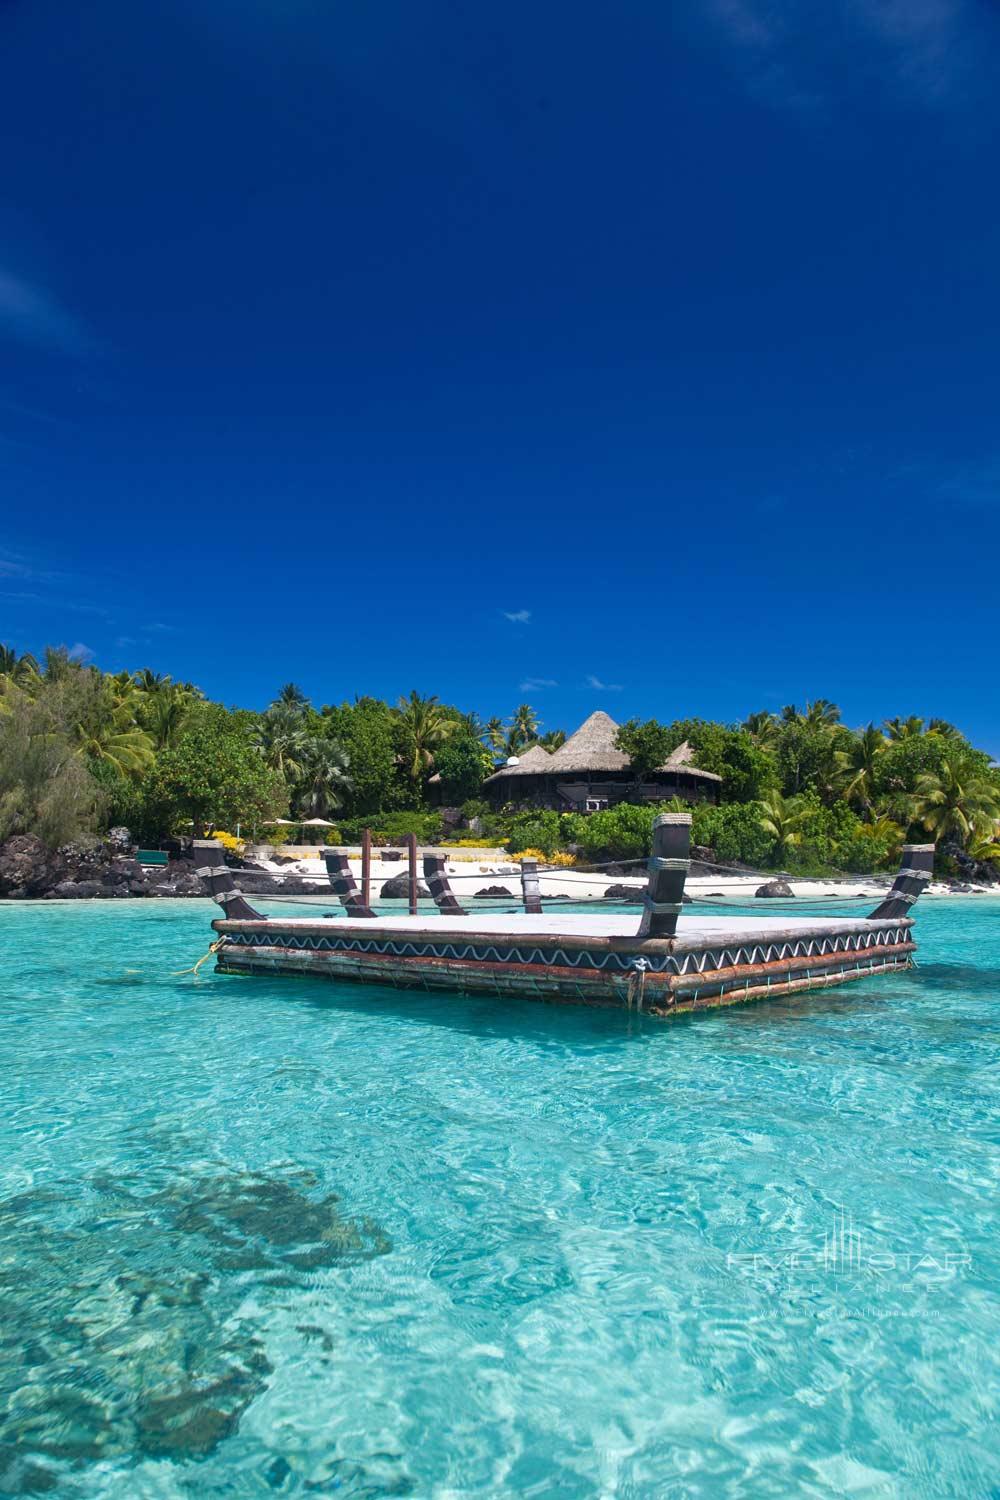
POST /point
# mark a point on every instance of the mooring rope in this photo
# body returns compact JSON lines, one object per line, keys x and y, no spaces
{"x":204,"y":959}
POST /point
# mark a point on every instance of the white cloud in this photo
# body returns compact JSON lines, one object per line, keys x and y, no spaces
{"x":81,"y":653}
{"x":517,"y":616}
{"x":15,"y":567}
{"x":536,"y":684}
{"x":602,"y":687}
{"x":53,"y":603}
{"x":800,"y":59}
{"x":30,"y":314}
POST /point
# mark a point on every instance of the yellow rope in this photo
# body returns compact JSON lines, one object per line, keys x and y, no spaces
{"x":204,"y":959}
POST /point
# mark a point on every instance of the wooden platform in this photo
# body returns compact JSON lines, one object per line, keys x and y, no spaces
{"x":666,"y":962}
{"x":589,"y":959}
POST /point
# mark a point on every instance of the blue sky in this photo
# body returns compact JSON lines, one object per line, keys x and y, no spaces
{"x":647,"y":355}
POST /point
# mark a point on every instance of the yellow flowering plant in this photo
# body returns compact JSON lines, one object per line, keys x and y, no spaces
{"x":229,"y":841}
{"x":560,"y":859}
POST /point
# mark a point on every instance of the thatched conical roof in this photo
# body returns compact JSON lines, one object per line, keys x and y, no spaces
{"x":591,"y":748}
{"x":529,"y":764}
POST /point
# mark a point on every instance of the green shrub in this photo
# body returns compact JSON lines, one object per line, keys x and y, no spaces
{"x":733,"y":832}
{"x":541,"y":829}
{"x":622,"y":832}
{"x":463,"y":764}
{"x":392,"y":827}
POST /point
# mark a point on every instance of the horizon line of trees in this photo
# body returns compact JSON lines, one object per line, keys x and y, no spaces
{"x":82,"y":750}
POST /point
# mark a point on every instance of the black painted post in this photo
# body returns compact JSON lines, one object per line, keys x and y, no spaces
{"x":366,"y":866}
{"x":217,"y":878}
{"x":531,"y":891}
{"x":344,"y":884}
{"x":411,"y":859}
{"x":440,"y":887}
{"x":668,"y":867}
{"x":916,"y":869}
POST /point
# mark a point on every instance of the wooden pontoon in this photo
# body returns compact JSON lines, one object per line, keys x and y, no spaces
{"x":665,"y":962}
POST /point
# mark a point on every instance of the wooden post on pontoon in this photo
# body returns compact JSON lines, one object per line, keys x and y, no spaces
{"x":366,"y":866}
{"x":339,"y":872}
{"x":668,"y":867}
{"x":439,"y":886}
{"x":217,"y":878}
{"x":916,"y":869}
{"x":411,"y":858}
{"x":531,"y":891}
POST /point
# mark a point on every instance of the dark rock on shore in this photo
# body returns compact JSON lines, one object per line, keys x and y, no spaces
{"x":774,"y":888}
{"x":397,"y":888}
{"x":494,"y":890}
{"x":631,"y":893}
{"x":108,"y":869}
{"x":979,"y":872}
{"x":27,"y":868}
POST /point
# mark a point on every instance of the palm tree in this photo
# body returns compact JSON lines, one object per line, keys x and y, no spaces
{"x":552,"y":740}
{"x":325,"y":779}
{"x":282,"y":739}
{"x":117,"y":742}
{"x":523,"y":729}
{"x":984,"y":848}
{"x":164,"y":714}
{"x":955,"y":801}
{"x":885,"y":830}
{"x":494,"y":734}
{"x":425,"y":726}
{"x":19,"y":671}
{"x":781,"y":817}
{"x":59,"y":665}
{"x":762,"y":728}
{"x":292,"y":696}
{"x":17,"y":674}
{"x":858,"y":766}
{"x":148,"y":681}
{"x":904,"y":729}
{"x":943,"y":728}
{"x":470,"y":722}
{"x":821,"y":713}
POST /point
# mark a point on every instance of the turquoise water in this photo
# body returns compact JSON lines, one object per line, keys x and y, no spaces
{"x":265,"y":1238}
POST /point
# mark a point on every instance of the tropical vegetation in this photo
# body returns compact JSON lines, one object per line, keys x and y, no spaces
{"x":82,"y":750}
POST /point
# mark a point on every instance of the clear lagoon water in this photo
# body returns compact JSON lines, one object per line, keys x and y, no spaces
{"x":284,"y":1238}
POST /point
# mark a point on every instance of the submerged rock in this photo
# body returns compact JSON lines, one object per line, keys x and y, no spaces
{"x":124,"y":1332}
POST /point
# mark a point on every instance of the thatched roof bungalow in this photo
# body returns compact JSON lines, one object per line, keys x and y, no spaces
{"x":588,"y":773}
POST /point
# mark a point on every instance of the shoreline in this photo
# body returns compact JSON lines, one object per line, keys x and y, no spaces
{"x":478,"y":882}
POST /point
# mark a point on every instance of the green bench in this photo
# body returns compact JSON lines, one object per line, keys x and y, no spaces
{"x":152,"y":856}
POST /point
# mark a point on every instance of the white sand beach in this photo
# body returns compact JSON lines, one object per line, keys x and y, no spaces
{"x":469,"y":877}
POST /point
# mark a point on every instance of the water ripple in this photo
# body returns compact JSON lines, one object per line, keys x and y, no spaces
{"x":287,"y":1238}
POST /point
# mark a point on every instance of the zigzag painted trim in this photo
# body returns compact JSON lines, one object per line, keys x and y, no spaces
{"x":697,"y":962}
{"x":727,"y":958}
